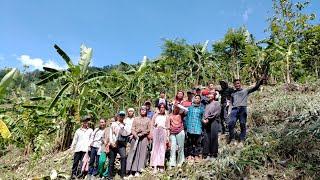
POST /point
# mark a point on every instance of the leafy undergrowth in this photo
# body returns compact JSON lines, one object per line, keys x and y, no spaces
{"x":283,"y":143}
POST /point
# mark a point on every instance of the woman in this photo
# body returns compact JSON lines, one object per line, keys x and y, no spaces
{"x":104,"y":160}
{"x":96,"y":141}
{"x":160,"y":125}
{"x":138,"y":151}
{"x":179,"y":98}
{"x":129,"y":119}
{"x":177,"y":137}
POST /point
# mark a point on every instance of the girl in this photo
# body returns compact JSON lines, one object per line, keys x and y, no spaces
{"x":160,"y":135}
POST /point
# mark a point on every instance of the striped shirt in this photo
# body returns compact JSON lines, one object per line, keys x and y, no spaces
{"x":194,"y":119}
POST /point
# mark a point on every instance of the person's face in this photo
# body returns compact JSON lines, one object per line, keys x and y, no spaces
{"x":162,"y":95}
{"x":102,"y":123}
{"x":211,"y":86}
{"x":180,"y":95}
{"x":189,"y":95}
{"x":162,"y":110}
{"x":148,"y":106}
{"x":198,"y":92}
{"x":143,"y":112}
{"x":211,"y":96}
{"x":223,"y":85}
{"x":130,"y":113}
{"x":197,"y":100}
{"x":237,"y":85}
{"x":121,"y":118}
{"x":85,"y":124}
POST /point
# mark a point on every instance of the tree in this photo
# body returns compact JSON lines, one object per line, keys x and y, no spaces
{"x":230,"y":51}
{"x":74,"y":87}
{"x":310,"y":50}
{"x":287,"y":27}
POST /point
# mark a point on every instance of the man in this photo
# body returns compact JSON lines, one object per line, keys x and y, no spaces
{"x":194,"y":128}
{"x":80,"y":144}
{"x":162,"y":100}
{"x":225,"y":93}
{"x":96,"y":140}
{"x":150,"y":113}
{"x":239,"y":102}
{"x":118,"y":143}
{"x":211,"y":127}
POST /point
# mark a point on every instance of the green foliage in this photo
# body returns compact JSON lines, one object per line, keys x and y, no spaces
{"x":49,"y":110}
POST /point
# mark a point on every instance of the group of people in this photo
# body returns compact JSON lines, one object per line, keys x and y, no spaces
{"x":187,"y":127}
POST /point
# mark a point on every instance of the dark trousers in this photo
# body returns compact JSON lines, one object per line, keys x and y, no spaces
{"x":77,"y":158}
{"x":223,"y":117}
{"x":210,"y":141}
{"x":121,"y":149}
{"x":241,"y":114}
{"x":194,"y":143}
{"x":94,"y":161}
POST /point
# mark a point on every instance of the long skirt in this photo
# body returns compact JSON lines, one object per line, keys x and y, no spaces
{"x":137,"y":155}
{"x":158,"y":147}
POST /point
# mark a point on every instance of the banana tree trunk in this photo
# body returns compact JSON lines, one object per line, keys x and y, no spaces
{"x":317,"y":69}
{"x":288,"y":77}
{"x":176,"y":83}
{"x":67,"y":136}
{"x":238,"y":70}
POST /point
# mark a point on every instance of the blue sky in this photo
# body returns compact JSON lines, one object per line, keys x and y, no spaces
{"x":118,"y":30}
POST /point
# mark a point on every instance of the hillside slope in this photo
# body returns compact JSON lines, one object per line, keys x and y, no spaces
{"x":283,"y":143}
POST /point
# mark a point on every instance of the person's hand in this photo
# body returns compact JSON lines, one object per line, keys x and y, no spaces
{"x":107,"y":148}
{"x":131,"y":136}
{"x":205,"y":121}
{"x":136,"y":136}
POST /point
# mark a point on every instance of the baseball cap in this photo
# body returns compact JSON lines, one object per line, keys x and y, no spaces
{"x":121,"y":113}
{"x":85,"y":118}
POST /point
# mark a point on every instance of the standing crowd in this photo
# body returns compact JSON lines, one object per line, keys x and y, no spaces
{"x":185,"y":129}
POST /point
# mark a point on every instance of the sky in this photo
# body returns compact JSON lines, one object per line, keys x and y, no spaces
{"x":118,"y":30}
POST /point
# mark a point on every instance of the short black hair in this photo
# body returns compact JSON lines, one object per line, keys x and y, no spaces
{"x":235,"y":80}
{"x":198,"y":89}
{"x":198,"y":95}
{"x":161,"y":104}
{"x":162,"y":92}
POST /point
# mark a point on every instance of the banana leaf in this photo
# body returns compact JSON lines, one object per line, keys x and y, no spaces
{"x":6,"y":80}
{"x":64,"y":56}
{"x":4,"y":130}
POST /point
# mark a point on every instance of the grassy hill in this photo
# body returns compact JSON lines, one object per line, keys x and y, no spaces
{"x":283,"y":143}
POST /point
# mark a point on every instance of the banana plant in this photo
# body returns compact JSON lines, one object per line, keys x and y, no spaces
{"x":287,"y":54}
{"x":4,"y":83}
{"x":74,"y":84}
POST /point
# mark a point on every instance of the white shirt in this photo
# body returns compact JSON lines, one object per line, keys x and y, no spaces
{"x":161,"y":121}
{"x":128,"y":124}
{"x":81,"y":140}
{"x":97,"y":138}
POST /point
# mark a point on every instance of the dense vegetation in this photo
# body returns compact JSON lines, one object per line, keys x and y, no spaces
{"x":42,"y":108}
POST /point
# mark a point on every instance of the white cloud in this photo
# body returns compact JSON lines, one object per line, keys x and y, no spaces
{"x":245,"y":15}
{"x":38,"y":63}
